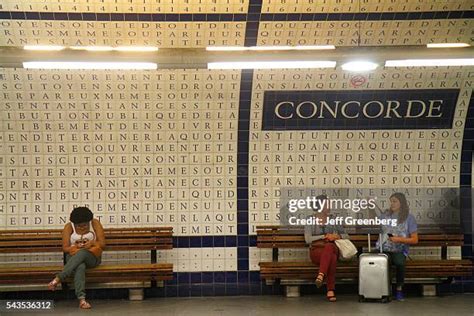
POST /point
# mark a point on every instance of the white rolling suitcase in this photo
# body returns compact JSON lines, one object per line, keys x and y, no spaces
{"x":374,"y":275}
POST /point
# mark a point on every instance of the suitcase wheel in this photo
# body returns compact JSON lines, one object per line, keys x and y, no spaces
{"x":361,"y":299}
{"x":385,"y":299}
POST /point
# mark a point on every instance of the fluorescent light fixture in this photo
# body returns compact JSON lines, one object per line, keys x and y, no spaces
{"x":272,"y":64}
{"x":267,"y":48}
{"x":447,"y":45}
{"x":359,"y":66}
{"x":88,"y":65}
{"x":43,"y":47}
{"x":226,"y":48}
{"x":93,"y":48}
{"x":315,"y":47}
{"x":136,"y":49}
{"x":429,"y":62}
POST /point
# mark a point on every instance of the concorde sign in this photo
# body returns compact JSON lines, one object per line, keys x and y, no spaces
{"x":368,"y":109}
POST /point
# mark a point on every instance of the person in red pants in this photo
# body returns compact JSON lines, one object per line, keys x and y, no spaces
{"x":323,"y":251}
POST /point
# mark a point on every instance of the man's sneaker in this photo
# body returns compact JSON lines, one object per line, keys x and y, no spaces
{"x":399,"y":296}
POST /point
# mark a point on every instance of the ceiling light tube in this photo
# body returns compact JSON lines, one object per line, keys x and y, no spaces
{"x":359,"y":66}
{"x":43,"y":47}
{"x":88,"y":65}
{"x":315,"y":47}
{"x":447,"y":45}
{"x":93,"y":48}
{"x":268,"y":48}
{"x":136,"y":49}
{"x":226,"y":48}
{"x":430,"y":62}
{"x":272,"y":64}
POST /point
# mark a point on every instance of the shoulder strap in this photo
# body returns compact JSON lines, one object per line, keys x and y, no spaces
{"x":73,"y":228}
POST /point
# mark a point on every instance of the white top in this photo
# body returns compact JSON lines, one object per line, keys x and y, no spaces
{"x":77,"y":238}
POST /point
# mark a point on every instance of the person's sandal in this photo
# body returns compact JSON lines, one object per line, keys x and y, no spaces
{"x":319,"y":280}
{"x":83,"y":304}
{"x":331,"y":298}
{"x":53,"y":284}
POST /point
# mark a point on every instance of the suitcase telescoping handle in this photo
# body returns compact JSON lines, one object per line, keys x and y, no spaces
{"x":368,"y":241}
{"x":380,"y":242}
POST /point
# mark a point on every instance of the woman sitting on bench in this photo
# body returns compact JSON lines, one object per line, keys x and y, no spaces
{"x":323,"y":250}
{"x":396,"y":240}
{"x":83,"y":242}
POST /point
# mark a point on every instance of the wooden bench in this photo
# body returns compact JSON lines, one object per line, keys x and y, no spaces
{"x":424,"y":271}
{"x":127,"y":275}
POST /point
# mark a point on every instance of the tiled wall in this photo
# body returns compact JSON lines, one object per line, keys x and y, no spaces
{"x":186,"y":148}
{"x":201,"y":23}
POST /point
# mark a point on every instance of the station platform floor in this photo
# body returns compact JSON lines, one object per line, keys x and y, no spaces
{"x":453,"y":305}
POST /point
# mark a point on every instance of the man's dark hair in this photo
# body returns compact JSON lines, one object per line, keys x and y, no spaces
{"x":320,"y":197}
{"x":81,"y":214}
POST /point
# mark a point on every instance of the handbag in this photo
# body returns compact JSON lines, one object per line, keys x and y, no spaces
{"x":347,"y":250}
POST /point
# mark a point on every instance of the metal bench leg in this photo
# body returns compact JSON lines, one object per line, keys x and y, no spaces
{"x":428,"y":289}
{"x":135,"y":294}
{"x":292,"y":291}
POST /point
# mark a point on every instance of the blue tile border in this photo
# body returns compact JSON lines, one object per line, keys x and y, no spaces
{"x":467,"y":146}
{"x":243,"y":238}
{"x":253,"y":19}
{"x":465,"y":181}
{"x":375,"y":16}
{"x":254,"y":15}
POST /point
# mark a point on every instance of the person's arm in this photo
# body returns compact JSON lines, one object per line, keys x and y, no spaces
{"x":342,"y":233}
{"x":308,"y":235}
{"x":412,"y":240}
{"x":66,"y":236}
{"x":99,"y":231}
{"x":412,"y":231}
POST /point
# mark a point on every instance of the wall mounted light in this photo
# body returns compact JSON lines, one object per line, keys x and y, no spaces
{"x":268,"y":48}
{"x":93,"y":48}
{"x":44,"y":47}
{"x":447,"y":45}
{"x":136,"y":49}
{"x":88,"y":65}
{"x":429,"y":62}
{"x":272,"y":64}
{"x":359,"y":66}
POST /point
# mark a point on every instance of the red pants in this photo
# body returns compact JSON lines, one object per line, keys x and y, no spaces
{"x":325,"y":255}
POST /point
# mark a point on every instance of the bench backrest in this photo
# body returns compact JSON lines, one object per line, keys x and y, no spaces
{"x":29,"y":241}
{"x":293,"y":237}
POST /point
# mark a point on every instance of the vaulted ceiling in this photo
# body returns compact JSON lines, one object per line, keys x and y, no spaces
{"x":201,"y":23}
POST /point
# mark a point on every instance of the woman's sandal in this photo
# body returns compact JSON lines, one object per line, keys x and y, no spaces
{"x":331,"y":298}
{"x":320,"y":280}
{"x":83,"y":304}
{"x":53,"y":284}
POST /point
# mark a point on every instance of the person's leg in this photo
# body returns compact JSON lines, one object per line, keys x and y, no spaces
{"x":82,"y":256}
{"x":327,"y":256}
{"x":332,"y":265}
{"x":327,"y":266}
{"x":316,"y":255}
{"x":80,"y":281}
{"x":399,"y":260}
{"x":332,"y":252}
